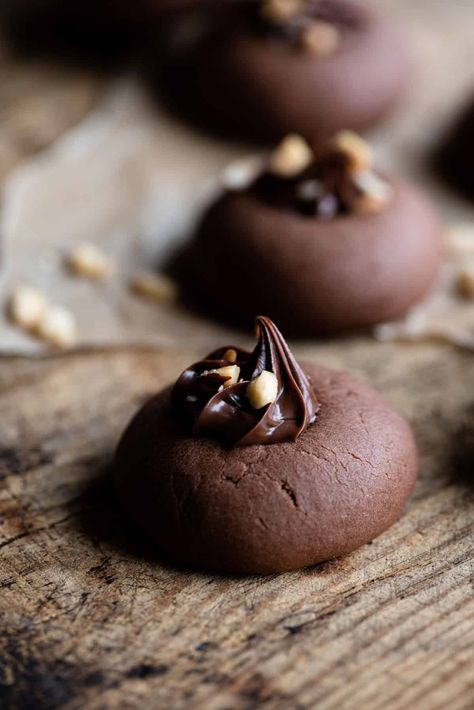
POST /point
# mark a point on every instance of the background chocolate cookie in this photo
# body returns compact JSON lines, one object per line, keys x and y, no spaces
{"x":332,"y":247}
{"x":321,"y":67}
{"x":263,"y":509}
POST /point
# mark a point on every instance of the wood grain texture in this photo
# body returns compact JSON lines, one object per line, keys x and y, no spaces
{"x":38,"y":104}
{"x":91,"y":617}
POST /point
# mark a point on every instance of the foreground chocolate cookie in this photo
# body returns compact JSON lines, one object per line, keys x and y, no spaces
{"x":268,"y":67}
{"x":254,"y":464}
{"x":319,"y":241}
{"x":455,"y":158}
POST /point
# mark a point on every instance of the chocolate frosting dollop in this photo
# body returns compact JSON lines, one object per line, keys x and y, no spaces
{"x":327,"y":188}
{"x":208,"y":407}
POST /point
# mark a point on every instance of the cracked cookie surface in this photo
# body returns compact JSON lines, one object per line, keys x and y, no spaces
{"x":264,"y":509}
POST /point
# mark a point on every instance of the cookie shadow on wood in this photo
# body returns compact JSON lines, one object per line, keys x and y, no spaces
{"x":103,"y":521}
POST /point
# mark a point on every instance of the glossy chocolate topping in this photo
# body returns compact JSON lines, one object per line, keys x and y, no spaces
{"x":215,"y":402}
{"x":327,"y":188}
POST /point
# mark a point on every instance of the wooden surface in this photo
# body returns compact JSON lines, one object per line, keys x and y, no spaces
{"x":38,"y":104}
{"x":91,"y":617}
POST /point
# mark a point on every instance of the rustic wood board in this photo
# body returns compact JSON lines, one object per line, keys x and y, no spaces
{"x":91,"y":617}
{"x":38,"y":104}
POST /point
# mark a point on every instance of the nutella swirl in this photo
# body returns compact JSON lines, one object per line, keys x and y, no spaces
{"x":216,"y":396}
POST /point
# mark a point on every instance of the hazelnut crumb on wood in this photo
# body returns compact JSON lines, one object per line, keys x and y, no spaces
{"x":29,"y":310}
{"x":155,"y":287}
{"x":26,"y":307}
{"x":90,"y":262}
{"x":57,"y":327}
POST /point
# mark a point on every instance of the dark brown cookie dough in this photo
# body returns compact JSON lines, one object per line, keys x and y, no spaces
{"x":319,"y":240}
{"x":455,"y":158}
{"x":241,"y":82}
{"x":264,"y":509}
{"x":312,"y":276}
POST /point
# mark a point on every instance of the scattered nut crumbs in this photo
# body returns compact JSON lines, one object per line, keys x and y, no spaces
{"x":57,"y":327}
{"x":29,"y":310}
{"x":263,"y":390}
{"x":90,"y":262}
{"x":26,"y":307}
{"x":291,"y":157}
{"x":155,"y":287}
{"x":320,"y":38}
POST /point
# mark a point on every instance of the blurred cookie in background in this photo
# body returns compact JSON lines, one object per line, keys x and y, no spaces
{"x":322,"y":241}
{"x":264,"y":68}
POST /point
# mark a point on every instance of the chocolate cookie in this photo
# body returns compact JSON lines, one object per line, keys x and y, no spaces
{"x":328,"y":248}
{"x":455,"y":158}
{"x":227,"y":473}
{"x":275,"y":66}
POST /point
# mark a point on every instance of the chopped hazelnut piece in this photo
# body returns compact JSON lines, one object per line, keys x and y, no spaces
{"x":263,"y":390}
{"x":57,"y":327}
{"x":465,"y":282}
{"x":26,"y":307}
{"x":320,"y":38}
{"x":230,"y":355}
{"x":291,"y":157}
{"x":358,"y":152}
{"x":232,"y":372}
{"x":375,"y":193}
{"x":90,"y":262}
{"x":29,"y":309}
{"x":156,"y":287}
{"x":280,"y":11}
